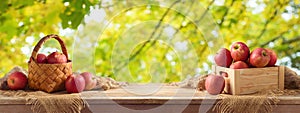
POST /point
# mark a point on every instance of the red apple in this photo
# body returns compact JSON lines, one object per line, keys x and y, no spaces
{"x":259,"y":57}
{"x":41,"y":58}
{"x":248,"y":63}
{"x":239,"y":51}
{"x":224,"y":74}
{"x":214,"y":84}
{"x":75,"y":83}
{"x":223,"y":58}
{"x":17,"y":81}
{"x":238,"y":65}
{"x":90,"y":81}
{"x":273,"y":58}
{"x":56,"y":58}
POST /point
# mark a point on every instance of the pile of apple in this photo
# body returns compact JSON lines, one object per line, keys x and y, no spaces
{"x":75,"y":83}
{"x":53,"y":58}
{"x":238,"y":57}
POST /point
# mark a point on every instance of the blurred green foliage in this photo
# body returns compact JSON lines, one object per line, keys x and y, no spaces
{"x":259,"y":23}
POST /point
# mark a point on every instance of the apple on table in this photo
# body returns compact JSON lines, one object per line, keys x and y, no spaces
{"x":17,"y":81}
{"x":214,"y":84}
{"x":90,"y":81}
{"x":75,"y":83}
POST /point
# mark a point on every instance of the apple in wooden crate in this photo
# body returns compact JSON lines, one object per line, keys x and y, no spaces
{"x":17,"y":81}
{"x":238,"y":65}
{"x":224,"y":74}
{"x":223,"y":58}
{"x":259,"y":57}
{"x":239,"y":51}
{"x":273,"y":58}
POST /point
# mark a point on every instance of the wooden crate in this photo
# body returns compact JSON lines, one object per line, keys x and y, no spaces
{"x":251,"y":80}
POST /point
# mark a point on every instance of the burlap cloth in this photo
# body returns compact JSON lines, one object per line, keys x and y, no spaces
{"x":42,"y":102}
{"x":57,"y":102}
{"x":261,"y":102}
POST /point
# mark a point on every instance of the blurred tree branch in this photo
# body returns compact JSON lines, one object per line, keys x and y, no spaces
{"x":149,"y":39}
{"x":296,"y":39}
{"x":190,"y":22}
{"x":226,"y":13}
{"x":280,"y":35}
{"x":205,"y":12}
{"x":273,"y":39}
{"x":266,"y":24}
{"x":274,"y":14}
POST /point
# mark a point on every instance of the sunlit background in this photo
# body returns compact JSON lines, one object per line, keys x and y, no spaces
{"x":93,"y":30}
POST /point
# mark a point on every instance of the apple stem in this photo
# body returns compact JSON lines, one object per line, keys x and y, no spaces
{"x":264,"y":53}
{"x":236,"y":47}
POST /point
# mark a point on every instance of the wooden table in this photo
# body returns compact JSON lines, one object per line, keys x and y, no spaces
{"x":151,"y":98}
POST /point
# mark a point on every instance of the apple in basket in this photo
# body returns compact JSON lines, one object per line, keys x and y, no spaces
{"x":90,"y":81}
{"x":17,"y":81}
{"x":56,"y":58}
{"x":75,"y":83}
{"x":41,"y":58}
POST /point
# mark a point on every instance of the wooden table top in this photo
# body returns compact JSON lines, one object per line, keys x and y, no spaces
{"x":150,"y":94}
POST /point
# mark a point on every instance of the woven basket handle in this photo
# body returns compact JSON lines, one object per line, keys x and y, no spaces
{"x":43,"y":40}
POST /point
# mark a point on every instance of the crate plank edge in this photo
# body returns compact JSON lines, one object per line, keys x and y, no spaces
{"x":251,"y":80}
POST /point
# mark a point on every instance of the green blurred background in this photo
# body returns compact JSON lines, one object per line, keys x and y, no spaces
{"x":85,"y":24}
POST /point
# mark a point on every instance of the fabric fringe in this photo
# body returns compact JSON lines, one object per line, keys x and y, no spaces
{"x":42,"y":102}
{"x":262,"y":102}
{"x":56,"y":104}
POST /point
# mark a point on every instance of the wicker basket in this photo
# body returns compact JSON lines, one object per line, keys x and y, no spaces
{"x":48,"y":77}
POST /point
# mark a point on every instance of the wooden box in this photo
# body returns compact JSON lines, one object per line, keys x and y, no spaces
{"x":251,"y":80}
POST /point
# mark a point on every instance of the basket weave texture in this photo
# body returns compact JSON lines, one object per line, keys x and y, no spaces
{"x":48,"y":77}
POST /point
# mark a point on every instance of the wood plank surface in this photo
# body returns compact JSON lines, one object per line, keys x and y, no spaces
{"x":152,"y":98}
{"x":281,"y":78}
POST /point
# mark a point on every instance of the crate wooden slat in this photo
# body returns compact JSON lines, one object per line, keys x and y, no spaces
{"x":251,"y":80}
{"x":168,"y":99}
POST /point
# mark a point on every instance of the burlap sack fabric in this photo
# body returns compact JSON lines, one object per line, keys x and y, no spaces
{"x":254,"y":103}
{"x":57,"y":102}
{"x":42,"y":102}
{"x":48,"y":77}
{"x":260,"y":102}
